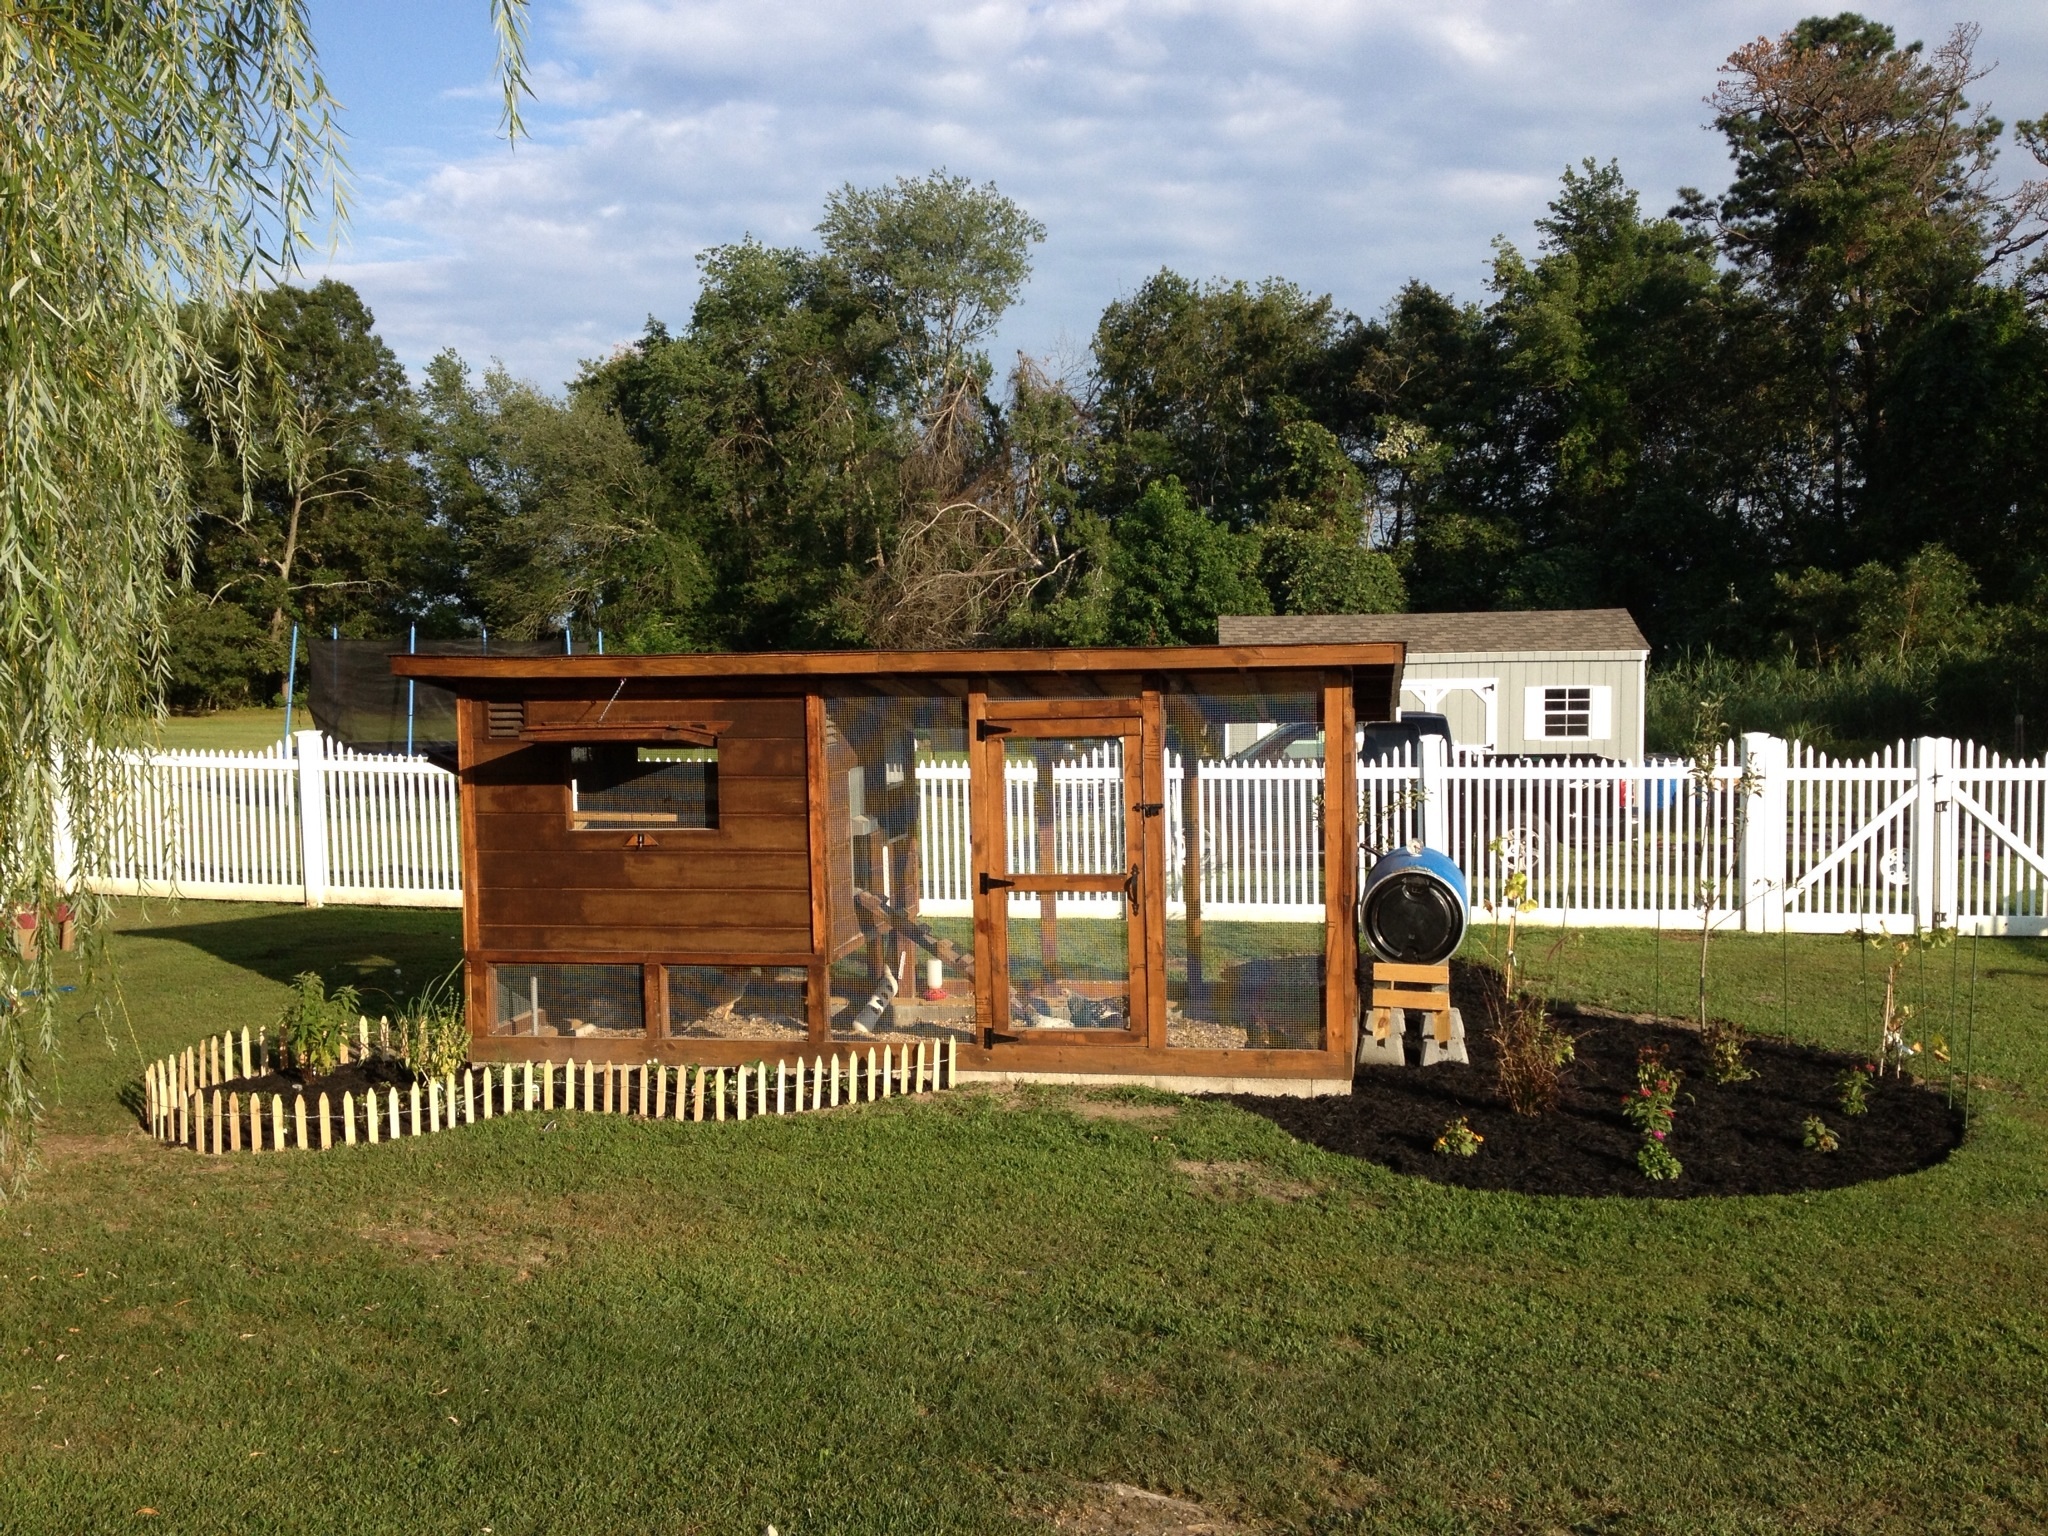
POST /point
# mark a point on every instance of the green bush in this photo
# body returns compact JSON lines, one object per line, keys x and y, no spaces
{"x":313,"y":1025}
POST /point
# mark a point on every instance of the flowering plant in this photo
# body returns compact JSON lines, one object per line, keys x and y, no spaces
{"x":1459,"y":1139}
{"x":1651,"y":1109}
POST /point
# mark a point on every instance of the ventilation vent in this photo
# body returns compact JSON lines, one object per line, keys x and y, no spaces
{"x":507,"y":718}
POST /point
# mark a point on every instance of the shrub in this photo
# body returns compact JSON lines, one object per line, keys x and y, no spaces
{"x":1818,"y":1137}
{"x":313,"y":1025}
{"x":1459,"y":1139}
{"x":1532,"y":1051}
{"x":433,"y":1028}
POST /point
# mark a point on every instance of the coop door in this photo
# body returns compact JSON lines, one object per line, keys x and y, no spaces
{"x":1064,"y":882}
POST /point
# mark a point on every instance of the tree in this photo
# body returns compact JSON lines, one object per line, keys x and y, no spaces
{"x":157,"y":163}
{"x":825,"y":429}
{"x":1863,"y":206}
{"x":1200,"y":383}
{"x":1174,"y":569}
{"x":555,"y":516}
{"x":312,"y":510}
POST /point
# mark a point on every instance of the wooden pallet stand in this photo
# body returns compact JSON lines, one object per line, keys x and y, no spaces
{"x":1398,"y":990}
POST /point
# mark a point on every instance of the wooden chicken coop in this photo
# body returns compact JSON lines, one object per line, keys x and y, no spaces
{"x":1132,"y":865}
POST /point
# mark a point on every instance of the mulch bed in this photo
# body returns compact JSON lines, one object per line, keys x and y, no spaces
{"x":358,"y":1077}
{"x":1733,"y":1139}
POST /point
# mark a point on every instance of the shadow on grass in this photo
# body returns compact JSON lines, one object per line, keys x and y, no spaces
{"x":387,"y":953}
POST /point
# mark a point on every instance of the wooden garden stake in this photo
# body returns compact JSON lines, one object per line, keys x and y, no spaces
{"x":529,"y":1099}
{"x":255,"y":1122}
{"x":234,"y":1122}
{"x":370,"y":1100}
{"x":348,"y":1118}
{"x":547,"y":1084}
{"x":589,"y":1083}
{"x":394,"y":1127}
{"x":660,"y":1092}
{"x":246,"y":1071}
{"x":469,"y":1095}
{"x":326,"y":1134}
{"x":416,"y":1109}
{"x":719,"y":1093}
{"x":697,"y":1098}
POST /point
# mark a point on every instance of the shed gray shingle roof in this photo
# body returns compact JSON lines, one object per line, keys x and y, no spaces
{"x":1551,"y":629}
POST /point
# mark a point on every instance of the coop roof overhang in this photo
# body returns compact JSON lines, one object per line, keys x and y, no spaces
{"x":457,"y":670}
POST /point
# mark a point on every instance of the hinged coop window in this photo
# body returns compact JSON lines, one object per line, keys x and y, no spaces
{"x":620,"y":787}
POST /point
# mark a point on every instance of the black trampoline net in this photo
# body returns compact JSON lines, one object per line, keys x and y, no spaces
{"x":1245,"y":914}
{"x":573,"y":1000}
{"x":899,"y":892}
{"x":356,"y":701}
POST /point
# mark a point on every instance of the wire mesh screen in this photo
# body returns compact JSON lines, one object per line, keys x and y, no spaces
{"x":1072,"y":974}
{"x":737,"y":1002}
{"x":898,"y":890}
{"x":576,"y":1000}
{"x":1244,"y":766}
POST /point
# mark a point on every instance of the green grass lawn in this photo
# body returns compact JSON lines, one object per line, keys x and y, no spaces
{"x":949,"y":1314}
{"x":229,"y":730}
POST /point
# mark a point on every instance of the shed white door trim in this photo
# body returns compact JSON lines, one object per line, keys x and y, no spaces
{"x":1429,"y":692}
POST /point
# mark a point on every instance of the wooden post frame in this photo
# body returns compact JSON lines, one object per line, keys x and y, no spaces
{"x":1340,"y":868}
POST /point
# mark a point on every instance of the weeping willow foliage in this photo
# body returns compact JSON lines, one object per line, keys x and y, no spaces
{"x":161,"y":162}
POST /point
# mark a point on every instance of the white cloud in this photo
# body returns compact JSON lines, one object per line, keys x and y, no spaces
{"x":1349,"y":146}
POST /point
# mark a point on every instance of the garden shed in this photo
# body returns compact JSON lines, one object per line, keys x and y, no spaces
{"x":1564,"y":680}
{"x":1047,"y":862}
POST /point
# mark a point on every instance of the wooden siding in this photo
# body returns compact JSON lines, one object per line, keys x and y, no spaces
{"x":542,"y":889}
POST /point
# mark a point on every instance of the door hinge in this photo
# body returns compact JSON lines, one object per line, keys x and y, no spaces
{"x":984,"y":729}
{"x":995,"y":883}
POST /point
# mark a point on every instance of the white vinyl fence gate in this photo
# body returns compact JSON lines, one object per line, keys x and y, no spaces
{"x":1926,"y":832}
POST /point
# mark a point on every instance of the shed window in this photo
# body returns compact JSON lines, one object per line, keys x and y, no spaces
{"x":1567,"y":712}
{"x":627,"y":788}
{"x":1570,"y":712}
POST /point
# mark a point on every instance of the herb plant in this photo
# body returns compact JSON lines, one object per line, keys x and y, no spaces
{"x":313,"y":1025}
{"x":433,"y":1028}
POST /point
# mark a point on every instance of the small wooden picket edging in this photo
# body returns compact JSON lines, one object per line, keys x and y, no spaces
{"x":186,"y":1106}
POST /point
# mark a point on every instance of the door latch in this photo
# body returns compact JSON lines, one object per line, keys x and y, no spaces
{"x":1149,"y":807}
{"x":1131,"y":888}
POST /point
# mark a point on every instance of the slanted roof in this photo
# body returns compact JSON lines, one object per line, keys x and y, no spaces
{"x":1426,"y":634}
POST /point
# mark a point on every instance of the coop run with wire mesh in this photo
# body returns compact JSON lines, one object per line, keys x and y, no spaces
{"x":1131,"y":865}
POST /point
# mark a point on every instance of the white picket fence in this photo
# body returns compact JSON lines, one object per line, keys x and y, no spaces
{"x":1925,"y":832}
{"x":320,"y":824}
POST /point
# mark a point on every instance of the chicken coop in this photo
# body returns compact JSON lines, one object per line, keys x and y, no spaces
{"x":1072,"y":864}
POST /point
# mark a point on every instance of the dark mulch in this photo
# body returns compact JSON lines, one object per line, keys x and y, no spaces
{"x":1734,"y":1139}
{"x":358,"y":1077}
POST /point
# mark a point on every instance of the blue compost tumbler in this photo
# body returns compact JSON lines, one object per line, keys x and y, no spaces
{"x":1414,"y":906}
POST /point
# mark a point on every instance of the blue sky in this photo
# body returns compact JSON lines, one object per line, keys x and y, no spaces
{"x":1347,"y":146}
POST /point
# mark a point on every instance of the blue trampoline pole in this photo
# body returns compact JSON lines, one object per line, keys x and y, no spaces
{"x":291,"y":678}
